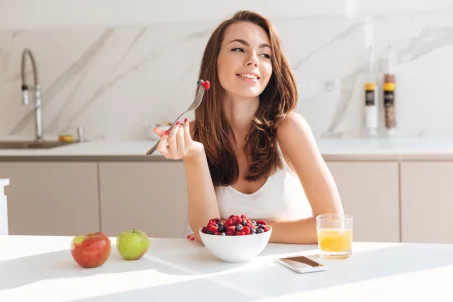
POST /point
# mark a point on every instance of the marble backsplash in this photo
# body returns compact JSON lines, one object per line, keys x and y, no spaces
{"x":115,"y":81}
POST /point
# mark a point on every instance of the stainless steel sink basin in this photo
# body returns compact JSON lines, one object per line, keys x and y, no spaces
{"x":32,"y":144}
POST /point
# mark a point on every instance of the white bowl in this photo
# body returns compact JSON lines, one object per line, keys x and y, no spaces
{"x":235,"y":248}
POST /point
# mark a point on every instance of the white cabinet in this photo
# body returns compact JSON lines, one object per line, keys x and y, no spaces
{"x":390,"y":201}
{"x":370,"y":192}
{"x":427,"y":202}
{"x":151,"y":196}
{"x":3,"y":207}
{"x":51,"y":198}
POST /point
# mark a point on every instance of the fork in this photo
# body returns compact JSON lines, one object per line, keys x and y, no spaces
{"x":198,"y":98}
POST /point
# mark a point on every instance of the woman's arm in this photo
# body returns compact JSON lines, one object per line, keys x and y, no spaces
{"x":202,"y":199}
{"x":299,"y":146}
{"x":201,"y":194}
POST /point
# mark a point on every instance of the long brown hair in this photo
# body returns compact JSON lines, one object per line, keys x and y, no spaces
{"x":278,"y":98}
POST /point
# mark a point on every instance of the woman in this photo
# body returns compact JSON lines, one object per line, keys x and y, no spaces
{"x":248,"y":151}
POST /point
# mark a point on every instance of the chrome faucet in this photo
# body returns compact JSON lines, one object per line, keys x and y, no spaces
{"x":36,"y":88}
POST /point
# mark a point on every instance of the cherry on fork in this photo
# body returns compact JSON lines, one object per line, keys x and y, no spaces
{"x":206,"y":85}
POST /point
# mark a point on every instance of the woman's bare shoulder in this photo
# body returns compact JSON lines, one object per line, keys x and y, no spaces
{"x":293,"y":122}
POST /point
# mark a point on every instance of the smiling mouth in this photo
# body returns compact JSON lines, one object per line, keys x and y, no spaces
{"x":248,"y":76}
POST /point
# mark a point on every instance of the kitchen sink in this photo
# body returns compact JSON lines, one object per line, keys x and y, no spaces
{"x":32,"y":144}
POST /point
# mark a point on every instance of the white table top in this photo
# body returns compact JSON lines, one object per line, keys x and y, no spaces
{"x":41,"y":268}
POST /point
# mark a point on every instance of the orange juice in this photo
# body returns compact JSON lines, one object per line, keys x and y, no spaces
{"x":335,"y":240}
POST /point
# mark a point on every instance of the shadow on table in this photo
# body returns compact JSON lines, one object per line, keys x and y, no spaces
{"x":60,"y":264}
{"x":273,"y":280}
{"x":198,"y":290}
{"x":202,"y":262}
{"x":361,"y":266}
{"x":245,"y":281}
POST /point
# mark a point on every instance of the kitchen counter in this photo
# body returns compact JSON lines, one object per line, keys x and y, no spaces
{"x":88,"y":150}
{"x":41,"y":268}
{"x":331,"y":148}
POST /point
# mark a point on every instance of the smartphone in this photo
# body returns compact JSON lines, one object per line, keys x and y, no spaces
{"x":301,"y":264}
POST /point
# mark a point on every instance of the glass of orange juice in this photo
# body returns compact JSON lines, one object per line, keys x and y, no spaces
{"x":334,"y":234}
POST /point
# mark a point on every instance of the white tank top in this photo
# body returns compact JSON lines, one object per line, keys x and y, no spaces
{"x":282,"y":197}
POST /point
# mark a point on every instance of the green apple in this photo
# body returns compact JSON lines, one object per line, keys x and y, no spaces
{"x":132,"y":244}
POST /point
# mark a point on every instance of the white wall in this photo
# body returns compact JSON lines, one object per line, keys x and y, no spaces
{"x":116,"y":66}
{"x":30,"y":14}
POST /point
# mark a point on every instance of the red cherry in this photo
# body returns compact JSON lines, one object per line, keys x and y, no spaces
{"x":228,"y":223}
{"x":246,"y":230}
{"x":231,"y":228}
{"x":212,"y":228}
{"x":206,"y":85}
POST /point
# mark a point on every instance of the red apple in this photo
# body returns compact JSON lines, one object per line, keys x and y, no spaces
{"x":91,"y":250}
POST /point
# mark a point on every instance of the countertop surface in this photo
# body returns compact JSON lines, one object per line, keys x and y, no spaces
{"x":330,"y":148}
{"x":40,"y":268}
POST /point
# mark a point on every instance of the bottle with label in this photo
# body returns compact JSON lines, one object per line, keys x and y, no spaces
{"x":371,"y":99}
{"x":389,"y":104}
{"x":389,"y":97}
{"x":371,"y":109}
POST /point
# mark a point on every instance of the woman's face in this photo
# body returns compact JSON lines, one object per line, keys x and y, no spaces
{"x":244,"y":62}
